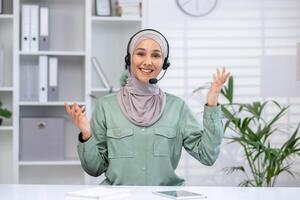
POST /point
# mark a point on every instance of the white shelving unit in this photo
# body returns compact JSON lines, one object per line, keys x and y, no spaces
{"x":76,"y":35}
{"x":7,"y":93}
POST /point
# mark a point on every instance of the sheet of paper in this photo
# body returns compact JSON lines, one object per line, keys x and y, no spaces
{"x":98,"y":193}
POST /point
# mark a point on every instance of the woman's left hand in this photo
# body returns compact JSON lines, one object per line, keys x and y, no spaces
{"x":218,"y":81}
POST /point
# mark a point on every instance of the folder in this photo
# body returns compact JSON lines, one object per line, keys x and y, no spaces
{"x":44,"y":29}
{"x":53,"y":79}
{"x":25,"y":43}
{"x":24,"y":82}
{"x":34,"y":28}
{"x":43,"y":78}
{"x":33,"y":78}
{"x":29,"y":89}
{"x":1,"y":68}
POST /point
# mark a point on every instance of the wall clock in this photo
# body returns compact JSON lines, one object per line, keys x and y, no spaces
{"x":196,"y":8}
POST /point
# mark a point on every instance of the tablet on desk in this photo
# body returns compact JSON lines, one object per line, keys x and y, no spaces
{"x":180,"y":194}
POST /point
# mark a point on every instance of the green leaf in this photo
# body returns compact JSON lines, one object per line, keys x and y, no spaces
{"x":247,"y":183}
{"x":200,"y":88}
{"x":278,"y":116}
{"x":227,"y":91}
{"x":230,"y":170}
{"x":227,"y":113}
{"x":5,"y":113}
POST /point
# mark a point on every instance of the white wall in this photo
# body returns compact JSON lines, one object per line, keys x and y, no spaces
{"x":256,"y":40}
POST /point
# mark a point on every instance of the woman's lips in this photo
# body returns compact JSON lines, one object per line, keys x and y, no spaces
{"x":146,"y":71}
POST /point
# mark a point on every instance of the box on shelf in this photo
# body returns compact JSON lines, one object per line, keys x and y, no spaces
{"x":125,"y":8}
{"x":41,"y":139}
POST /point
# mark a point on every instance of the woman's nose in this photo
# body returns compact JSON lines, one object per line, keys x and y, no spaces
{"x":147,"y":60}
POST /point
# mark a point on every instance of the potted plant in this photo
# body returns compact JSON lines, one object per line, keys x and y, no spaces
{"x":4,"y":113}
{"x":264,"y":161}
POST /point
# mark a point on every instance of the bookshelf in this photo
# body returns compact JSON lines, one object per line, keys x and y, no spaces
{"x":76,"y":35}
{"x":6,"y":92}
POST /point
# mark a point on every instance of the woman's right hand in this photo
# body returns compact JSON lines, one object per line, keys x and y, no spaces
{"x":79,"y":119}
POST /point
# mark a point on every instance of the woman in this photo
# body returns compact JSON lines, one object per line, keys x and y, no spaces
{"x":136,"y":136}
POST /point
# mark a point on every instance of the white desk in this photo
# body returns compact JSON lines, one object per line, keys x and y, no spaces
{"x":56,"y":192}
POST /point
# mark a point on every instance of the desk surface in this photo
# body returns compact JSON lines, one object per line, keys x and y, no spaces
{"x":57,"y":192}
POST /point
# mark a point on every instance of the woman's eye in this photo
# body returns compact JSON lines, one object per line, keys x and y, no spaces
{"x":156,"y":55}
{"x":140,"y":54}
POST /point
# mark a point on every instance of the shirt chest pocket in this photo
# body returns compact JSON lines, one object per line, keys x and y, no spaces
{"x":164,"y":141}
{"x":120,"y":142}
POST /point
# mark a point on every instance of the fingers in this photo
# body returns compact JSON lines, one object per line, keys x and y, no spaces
{"x":76,"y":112}
{"x":77,"y":116}
{"x":226,"y":77}
{"x":221,"y":76}
{"x":74,"y":109}
{"x":68,"y":109}
{"x":82,"y":109}
{"x":218,"y":73}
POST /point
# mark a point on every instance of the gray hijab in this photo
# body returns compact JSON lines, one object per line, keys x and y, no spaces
{"x":142,"y":103}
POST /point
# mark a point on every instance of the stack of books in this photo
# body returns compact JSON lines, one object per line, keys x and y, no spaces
{"x":131,"y":8}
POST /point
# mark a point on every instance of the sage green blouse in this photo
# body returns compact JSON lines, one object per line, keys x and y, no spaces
{"x":134,"y":155}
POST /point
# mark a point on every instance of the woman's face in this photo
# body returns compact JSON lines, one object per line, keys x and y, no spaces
{"x":147,"y":60}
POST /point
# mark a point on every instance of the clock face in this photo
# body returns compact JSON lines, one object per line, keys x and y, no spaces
{"x":196,"y":8}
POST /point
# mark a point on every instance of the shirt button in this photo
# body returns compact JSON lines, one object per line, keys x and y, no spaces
{"x":143,"y":129}
{"x":143,"y":168}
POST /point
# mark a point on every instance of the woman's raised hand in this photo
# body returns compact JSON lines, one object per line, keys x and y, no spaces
{"x":79,"y":119}
{"x":218,"y":81}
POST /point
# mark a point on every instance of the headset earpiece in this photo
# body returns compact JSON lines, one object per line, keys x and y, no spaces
{"x":127,"y":61}
{"x":166,"y":64}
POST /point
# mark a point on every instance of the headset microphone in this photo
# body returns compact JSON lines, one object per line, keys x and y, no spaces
{"x":155,"y":80}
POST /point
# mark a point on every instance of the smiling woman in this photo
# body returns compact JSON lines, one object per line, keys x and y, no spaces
{"x":136,"y":135}
{"x":147,"y":60}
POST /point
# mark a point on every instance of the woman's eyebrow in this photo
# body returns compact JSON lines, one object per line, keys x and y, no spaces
{"x":141,"y":49}
{"x":157,"y":50}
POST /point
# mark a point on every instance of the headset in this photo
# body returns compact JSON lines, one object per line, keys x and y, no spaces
{"x":166,"y":63}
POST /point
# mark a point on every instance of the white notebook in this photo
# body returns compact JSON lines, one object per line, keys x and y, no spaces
{"x":98,"y":193}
